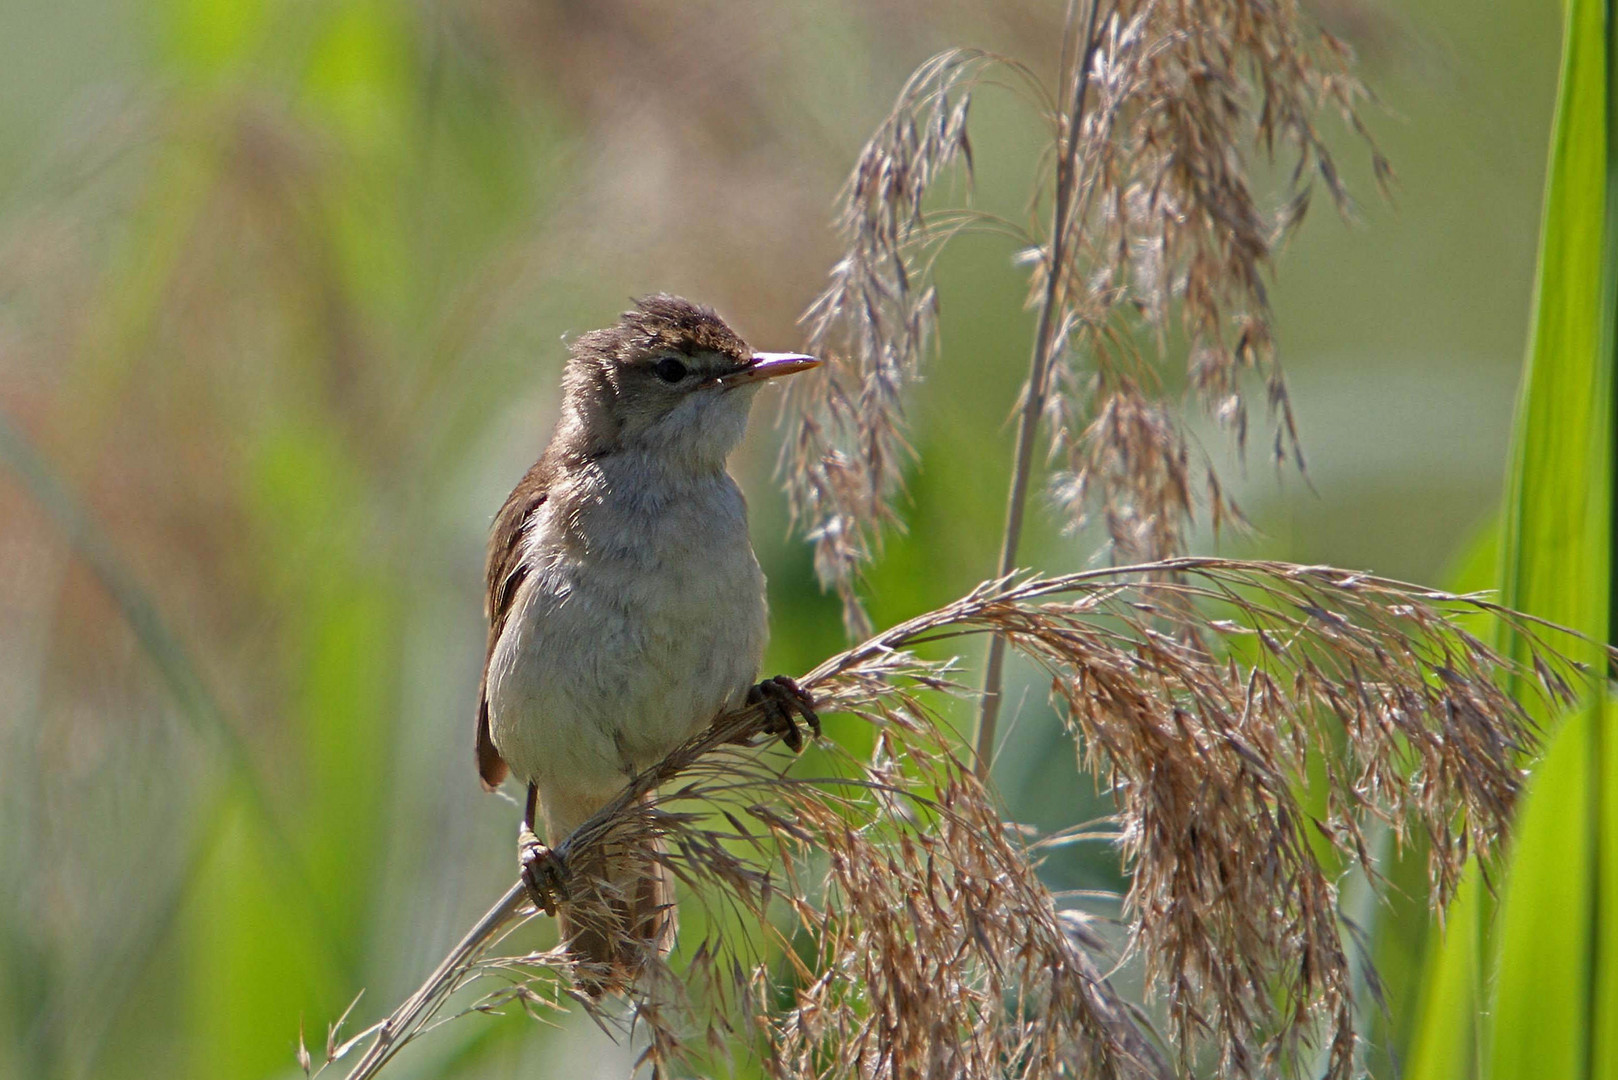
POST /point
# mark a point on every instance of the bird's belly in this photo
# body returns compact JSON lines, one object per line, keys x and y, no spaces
{"x":606,"y":667}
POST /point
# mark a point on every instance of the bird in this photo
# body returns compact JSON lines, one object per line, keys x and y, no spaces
{"x":626,"y":607}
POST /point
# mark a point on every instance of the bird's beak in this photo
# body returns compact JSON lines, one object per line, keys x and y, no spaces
{"x":767,"y":365}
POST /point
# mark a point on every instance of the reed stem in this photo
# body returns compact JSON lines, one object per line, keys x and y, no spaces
{"x":1034,"y":390}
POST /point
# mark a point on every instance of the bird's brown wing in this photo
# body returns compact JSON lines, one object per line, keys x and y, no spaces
{"x":505,"y":573}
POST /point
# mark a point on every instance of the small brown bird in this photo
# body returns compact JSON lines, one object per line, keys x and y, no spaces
{"x":626,"y":608}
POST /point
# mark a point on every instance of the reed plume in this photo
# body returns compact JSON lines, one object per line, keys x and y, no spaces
{"x":901,"y":926}
{"x":1155,"y":243}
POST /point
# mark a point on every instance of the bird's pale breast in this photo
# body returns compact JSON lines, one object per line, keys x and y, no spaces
{"x":642,"y":616}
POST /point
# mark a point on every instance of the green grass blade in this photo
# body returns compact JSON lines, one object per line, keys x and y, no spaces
{"x":1558,"y":512}
{"x":1552,"y":949}
{"x":1444,"y":1046}
{"x":1550,"y":971}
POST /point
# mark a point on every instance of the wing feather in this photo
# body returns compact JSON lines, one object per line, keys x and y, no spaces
{"x":505,"y":573}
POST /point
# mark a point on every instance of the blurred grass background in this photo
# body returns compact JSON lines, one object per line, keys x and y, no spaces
{"x":282,"y":288}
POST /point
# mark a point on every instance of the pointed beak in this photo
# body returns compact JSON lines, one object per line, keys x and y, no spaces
{"x":767,"y":365}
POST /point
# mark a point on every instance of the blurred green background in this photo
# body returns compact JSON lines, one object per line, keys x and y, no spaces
{"x":282,"y":292}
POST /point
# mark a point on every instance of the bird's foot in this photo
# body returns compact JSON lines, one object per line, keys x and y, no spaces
{"x":785,"y":704}
{"x":543,"y":871}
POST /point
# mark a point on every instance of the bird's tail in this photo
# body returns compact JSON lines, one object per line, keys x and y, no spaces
{"x":619,"y":914}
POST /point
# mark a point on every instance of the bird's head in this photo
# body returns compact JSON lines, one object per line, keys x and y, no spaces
{"x":669,"y":379}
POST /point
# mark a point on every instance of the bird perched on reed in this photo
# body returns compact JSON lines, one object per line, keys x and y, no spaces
{"x":626,"y":608}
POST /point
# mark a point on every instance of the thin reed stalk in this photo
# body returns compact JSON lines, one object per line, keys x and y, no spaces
{"x":1034,"y":389}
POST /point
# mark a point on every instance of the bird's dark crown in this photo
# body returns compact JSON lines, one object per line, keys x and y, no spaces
{"x":660,"y":324}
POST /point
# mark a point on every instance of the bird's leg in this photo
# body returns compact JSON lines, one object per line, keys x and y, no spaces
{"x":542,"y":869}
{"x":785,"y":703}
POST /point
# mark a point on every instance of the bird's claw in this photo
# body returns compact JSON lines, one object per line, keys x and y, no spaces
{"x":785,"y":704}
{"x":543,"y":871}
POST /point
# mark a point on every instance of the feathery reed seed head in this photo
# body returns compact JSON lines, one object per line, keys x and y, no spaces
{"x":902,"y":929}
{"x":1156,"y":233}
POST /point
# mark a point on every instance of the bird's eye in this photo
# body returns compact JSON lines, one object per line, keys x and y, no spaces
{"x":669,"y":370}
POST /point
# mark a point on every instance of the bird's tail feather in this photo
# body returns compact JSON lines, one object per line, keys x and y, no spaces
{"x":619,"y":915}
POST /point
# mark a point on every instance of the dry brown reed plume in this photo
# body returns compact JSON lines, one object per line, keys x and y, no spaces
{"x":1154,"y":231}
{"x":899,"y":926}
